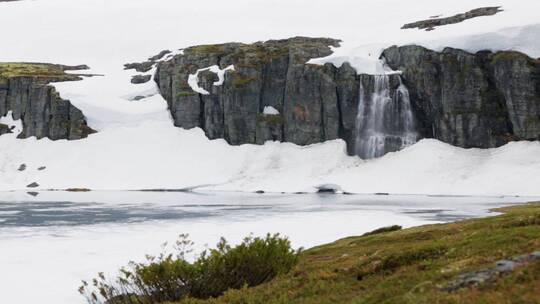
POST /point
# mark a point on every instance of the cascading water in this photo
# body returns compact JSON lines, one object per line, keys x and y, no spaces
{"x":385,"y":121}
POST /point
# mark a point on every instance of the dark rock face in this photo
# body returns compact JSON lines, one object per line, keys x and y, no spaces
{"x":42,"y":111}
{"x":141,"y":67}
{"x":468,"y":100}
{"x":5,"y":129}
{"x":145,"y":66}
{"x":478,"y":100}
{"x":430,"y":24}
{"x":32,"y":185}
{"x":138,"y":79}
{"x":274,"y":73}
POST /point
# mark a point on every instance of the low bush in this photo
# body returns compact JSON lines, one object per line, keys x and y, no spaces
{"x":383,"y":230}
{"x":170,"y":277}
{"x":408,"y":257}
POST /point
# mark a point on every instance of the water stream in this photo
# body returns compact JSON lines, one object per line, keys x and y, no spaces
{"x":385,"y":121}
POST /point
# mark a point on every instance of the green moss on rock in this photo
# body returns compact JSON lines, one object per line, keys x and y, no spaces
{"x":186,"y":94}
{"x":40,"y":70}
{"x":240,"y":80}
{"x":271,"y":120}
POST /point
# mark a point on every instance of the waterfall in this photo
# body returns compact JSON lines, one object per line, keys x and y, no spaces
{"x":385,"y":121}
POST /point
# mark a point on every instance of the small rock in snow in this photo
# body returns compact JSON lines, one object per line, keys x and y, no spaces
{"x":33,"y":185}
{"x":42,"y":168}
{"x":329,"y":188}
{"x":160,"y":55}
{"x":5,"y":129}
{"x":141,"y":67}
{"x":34,"y":194}
{"x":22,"y":167}
{"x":138,"y":79}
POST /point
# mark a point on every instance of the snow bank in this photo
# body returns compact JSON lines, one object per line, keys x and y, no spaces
{"x":155,"y":156}
{"x":138,"y":147}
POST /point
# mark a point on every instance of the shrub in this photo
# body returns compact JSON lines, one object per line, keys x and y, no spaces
{"x":171,"y":277}
{"x":409,"y":257}
{"x":383,"y":230}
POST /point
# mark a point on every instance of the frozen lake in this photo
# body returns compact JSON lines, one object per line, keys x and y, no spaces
{"x":49,"y":241}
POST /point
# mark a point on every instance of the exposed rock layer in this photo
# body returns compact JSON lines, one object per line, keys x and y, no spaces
{"x":315,"y":103}
{"x":24,"y":91}
{"x":478,"y":100}
{"x":431,"y":24}
{"x":469,"y":100}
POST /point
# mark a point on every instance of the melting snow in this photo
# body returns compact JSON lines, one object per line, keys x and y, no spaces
{"x":138,"y":147}
{"x":269,"y":110}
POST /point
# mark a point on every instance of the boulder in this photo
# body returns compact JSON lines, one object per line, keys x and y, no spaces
{"x":138,"y":79}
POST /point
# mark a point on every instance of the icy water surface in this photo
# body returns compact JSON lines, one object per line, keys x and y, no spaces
{"x":52,"y":240}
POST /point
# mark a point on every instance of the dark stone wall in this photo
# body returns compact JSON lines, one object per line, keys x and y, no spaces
{"x":42,"y":111}
{"x":469,"y":100}
{"x":316,"y":103}
{"x":478,"y":100}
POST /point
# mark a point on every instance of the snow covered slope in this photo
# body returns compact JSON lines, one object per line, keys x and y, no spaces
{"x":137,"y":146}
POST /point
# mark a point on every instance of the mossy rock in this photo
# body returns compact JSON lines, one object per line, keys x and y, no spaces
{"x":4,"y":129}
{"x":49,"y":72}
{"x":240,"y":80}
{"x":271,"y":120}
{"x":514,"y":56}
{"x":186,"y":93}
{"x":206,"y":49}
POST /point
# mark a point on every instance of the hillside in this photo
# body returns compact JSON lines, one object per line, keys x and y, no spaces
{"x":491,"y":260}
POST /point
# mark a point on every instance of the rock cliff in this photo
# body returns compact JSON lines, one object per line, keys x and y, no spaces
{"x":478,"y":100}
{"x":314,"y":103}
{"x":24,"y":91}
{"x":468,"y":100}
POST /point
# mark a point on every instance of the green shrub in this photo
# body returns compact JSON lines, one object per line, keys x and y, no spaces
{"x":171,"y":277}
{"x":383,"y":230}
{"x":408,"y":257}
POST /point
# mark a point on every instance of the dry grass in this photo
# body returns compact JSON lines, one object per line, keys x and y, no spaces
{"x":411,"y":265}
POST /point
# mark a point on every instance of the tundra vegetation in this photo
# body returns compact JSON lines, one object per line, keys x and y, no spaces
{"x":424,"y":264}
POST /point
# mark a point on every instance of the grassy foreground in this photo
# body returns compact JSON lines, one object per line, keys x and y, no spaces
{"x":412,"y":266}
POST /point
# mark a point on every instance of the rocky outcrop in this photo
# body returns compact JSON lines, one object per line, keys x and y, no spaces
{"x":478,"y":100}
{"x":468,"y":100}
{"x":432,"y":23}
{"x":145,"y":66}
{"x":24,"y":91}
{"x":138,"y":79}
{"x":309,"y":98}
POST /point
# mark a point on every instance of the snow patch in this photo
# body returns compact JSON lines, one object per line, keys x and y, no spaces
{"x":269,"y":110}
{"x":15,"y":125}
{"x":193,"y":79}
{"x":329,"y":188}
